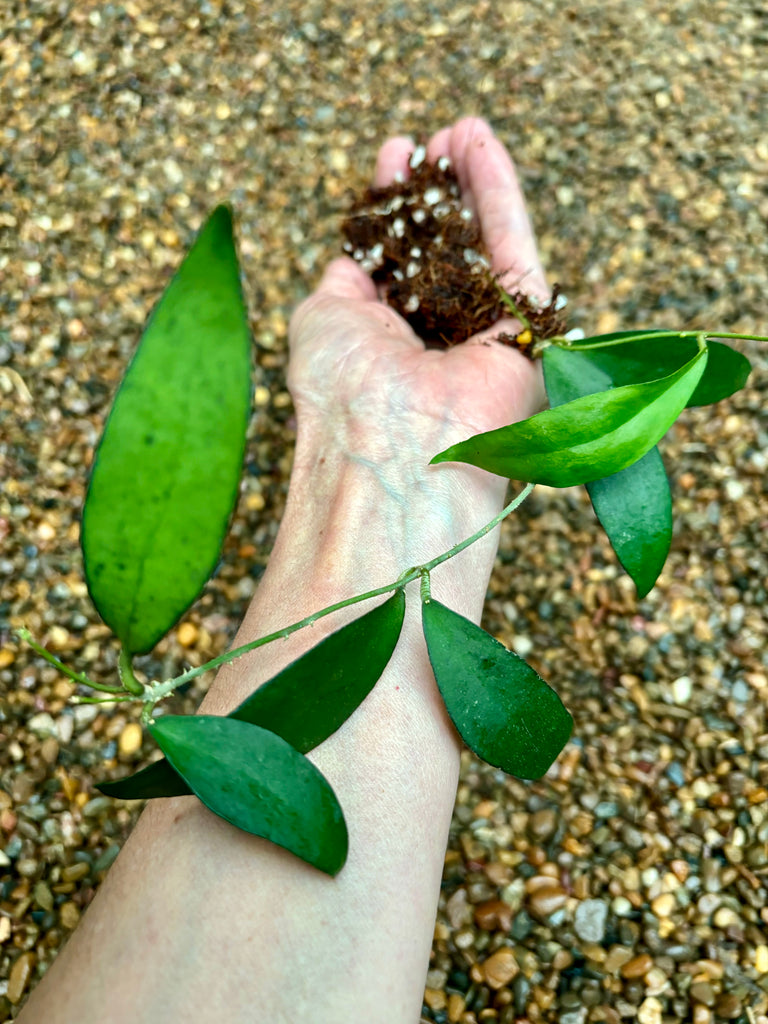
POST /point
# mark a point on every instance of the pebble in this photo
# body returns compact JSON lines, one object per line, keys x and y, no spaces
{"x":18,"y":979}
{"x":590,"y":920}
{"x":500,"y":968}
{"x":650,"y":1011}
{"x":69,"y":915}
{"x":637,"y":966}
{"x":130,"y":739}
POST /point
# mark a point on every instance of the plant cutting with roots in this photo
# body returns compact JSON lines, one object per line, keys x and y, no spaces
{"x":166,"y":475}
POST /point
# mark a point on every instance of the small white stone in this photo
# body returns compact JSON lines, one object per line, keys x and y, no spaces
{"x":443,"y":163}
{"x":398,"y":177}
{"x":734,"y":490}
{"x":394,"y":204}
{"x":522,"y":645}
{"x":412,"y":269}
{"x":433,"y":195}
{"x":576,"y":334}
{"x":358,"y":254}
{"x":377,"y":252}
{"x":441,"y":210}
{"x":471,"y":256}
{"x":415,"y":252}
{"x":418,"y":156}
{"x":367,"y":266}
{"x":348,"y":247}
{"x":398,"y":227}
{"x":466,"y":214}
{"x":561,"y":302}
{"x":419,"y":216}
{"x":42,"y":724}
{"x":412,"y":304}
{"x":398,"y":275}
{"x":682,"y":689}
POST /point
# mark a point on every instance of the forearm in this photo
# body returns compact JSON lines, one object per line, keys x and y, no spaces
{"x":199,"y":921}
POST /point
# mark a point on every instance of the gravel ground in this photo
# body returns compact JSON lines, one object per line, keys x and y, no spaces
{"x":631,"y":883}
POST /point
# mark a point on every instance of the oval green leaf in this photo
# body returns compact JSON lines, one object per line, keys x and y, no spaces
{"x":633,"y":505}
{"x":636,"y":361}
{"x":501,"y":708}
{"x":306,"y":702}
{"x":166,"y":471}
{"x":259,"y":783}
{"x":586,"y":439}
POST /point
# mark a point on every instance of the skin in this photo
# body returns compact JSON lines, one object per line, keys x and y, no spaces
{"x":197,"y":921}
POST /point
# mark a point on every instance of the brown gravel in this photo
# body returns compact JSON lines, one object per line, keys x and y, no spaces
{"x":640,"y":132}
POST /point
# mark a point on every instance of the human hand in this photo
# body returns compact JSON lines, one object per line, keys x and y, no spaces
{"x":360,"y":374}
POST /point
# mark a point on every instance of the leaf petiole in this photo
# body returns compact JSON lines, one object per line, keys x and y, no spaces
{"x":77,"y":677}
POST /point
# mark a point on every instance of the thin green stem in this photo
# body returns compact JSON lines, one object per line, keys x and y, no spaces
{"x":119,"y":698}
{"x":736,"y":337}
{"x":157,"y":691}
{"x":644,"y":335}
{"x":640,"y":336}
{"x":128,"y":679}
{"x":509,"y":302}
{"x":77,"y":677}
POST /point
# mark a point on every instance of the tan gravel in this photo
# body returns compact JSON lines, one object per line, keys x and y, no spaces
{"x":632,"y":882}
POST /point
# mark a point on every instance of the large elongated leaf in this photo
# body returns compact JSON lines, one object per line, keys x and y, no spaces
{"x":167,"y":469}
{"x":501,"y":708}
{"x":633,"y":362}
{"x":633,"y":505}
{"x":306,"y":702}
{"x":259,"y":783}
{"x":585,"y":439}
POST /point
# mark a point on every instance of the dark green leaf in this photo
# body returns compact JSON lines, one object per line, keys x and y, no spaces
{"x":157,"y":779}
{"x":256,"y":781}
{"x":501,"y":708}
{"x":633,"y":505}
{"x":586,"y":439}
{"x":166,"y":472}
{"x":306,"y":702}
{"x":634,"y":362}
{"x":635,"y":509}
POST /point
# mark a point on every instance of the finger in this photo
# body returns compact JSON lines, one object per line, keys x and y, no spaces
{"x":344,"y":279}
{"x":491,"y":187}
{"x":439,"y":145}
{"x":392,"y":159}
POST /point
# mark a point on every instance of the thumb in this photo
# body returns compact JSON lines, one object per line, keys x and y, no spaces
{"x":344,"y":279}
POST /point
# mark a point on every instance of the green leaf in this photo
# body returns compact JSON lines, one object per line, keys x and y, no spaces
{"x":633,"y":505}
{"x":166,"y":472}
{"x":306,"y":702}
{"x":634,"y":362}
{"x":588,"y":438}
{"x":635,"y":509}
{"x":256,"y":781}
{"x":501,"y":708}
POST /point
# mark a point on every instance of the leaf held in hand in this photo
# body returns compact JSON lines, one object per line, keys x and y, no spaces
{"x":633,"y":505}
{"x":501,"y":708}
{"x":306,"y":702}
{"x":256,"y":781}
{"x":588,"y":438}
{"x":167,"y":469}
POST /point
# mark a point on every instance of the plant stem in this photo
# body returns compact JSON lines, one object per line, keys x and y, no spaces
{"x":644,"y":335}
{"x":77,"y":677}
{"x":640,"y":336}
{"x":426,"y":590}
{"x":157,"y":691}
{"x":128,"y":679}
{"x":509,"y":302}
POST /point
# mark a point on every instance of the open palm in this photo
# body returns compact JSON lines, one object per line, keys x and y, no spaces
{"x":358,"y":367}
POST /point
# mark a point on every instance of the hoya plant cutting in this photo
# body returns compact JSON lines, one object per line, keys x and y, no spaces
{"x":166,"y":475}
